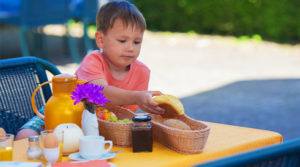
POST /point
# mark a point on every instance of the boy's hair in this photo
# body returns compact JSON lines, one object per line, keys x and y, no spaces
{"x":123,"y":10}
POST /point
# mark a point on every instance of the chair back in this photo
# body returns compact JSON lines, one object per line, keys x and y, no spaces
{"x":286,"y":154}
{"x":34,"y":13}
{"x":84,"y":10}
{"x":18,"y":79}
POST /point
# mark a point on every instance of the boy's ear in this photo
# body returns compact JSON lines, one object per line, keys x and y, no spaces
{"x":99,"y":39}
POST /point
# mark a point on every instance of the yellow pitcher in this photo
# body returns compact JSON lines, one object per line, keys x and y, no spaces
{"x":60,"y":107}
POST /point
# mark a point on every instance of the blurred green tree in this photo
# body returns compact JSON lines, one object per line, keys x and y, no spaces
{"x":276,"y":20}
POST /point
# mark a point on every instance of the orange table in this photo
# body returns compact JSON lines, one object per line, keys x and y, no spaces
{"x":224,"y":140}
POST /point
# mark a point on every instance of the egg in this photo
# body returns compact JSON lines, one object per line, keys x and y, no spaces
{"x":2,"y":134}
{"x":50,"y":141}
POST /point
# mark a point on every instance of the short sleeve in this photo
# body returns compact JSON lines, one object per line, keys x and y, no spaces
{"x":91,"y":67}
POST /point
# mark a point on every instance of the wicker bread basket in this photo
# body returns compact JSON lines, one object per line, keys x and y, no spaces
{"x":183,"y":141}
{"x":118,"y":133}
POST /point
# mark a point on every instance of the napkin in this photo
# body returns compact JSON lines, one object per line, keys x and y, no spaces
{"x":93,"y":163}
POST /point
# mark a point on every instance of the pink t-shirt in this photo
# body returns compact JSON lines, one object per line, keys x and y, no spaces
{"x":94,"y":67}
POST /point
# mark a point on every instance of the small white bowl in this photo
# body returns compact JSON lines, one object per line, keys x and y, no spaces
{"x":51,"y":154}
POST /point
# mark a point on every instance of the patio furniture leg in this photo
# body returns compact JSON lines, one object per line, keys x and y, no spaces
{"x":44,"y":45}
{"x":24,"y":43}
{"x":39,"y":44}
{"x":72,"y":46}
{"x":87,"y":40}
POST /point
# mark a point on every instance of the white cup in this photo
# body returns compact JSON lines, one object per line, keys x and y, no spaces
{"x":92,"y":147}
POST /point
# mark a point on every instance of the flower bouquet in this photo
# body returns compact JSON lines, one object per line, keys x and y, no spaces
{"x":91,"y":95}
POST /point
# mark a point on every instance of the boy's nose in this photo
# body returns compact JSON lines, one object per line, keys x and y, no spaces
{"x":130,"y":46}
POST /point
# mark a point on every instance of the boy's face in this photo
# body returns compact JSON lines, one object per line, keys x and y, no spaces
{"x":121,"y":44}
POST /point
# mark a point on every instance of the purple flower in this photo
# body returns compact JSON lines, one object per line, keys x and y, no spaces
{"x":89,"y":93}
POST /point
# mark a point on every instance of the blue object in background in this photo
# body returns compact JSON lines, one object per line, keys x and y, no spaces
{"x":31,"y":14}
{"x":9,"y":8}
{"x":86,"y":11}
{"x":34,"y":13}
{"x":75,"y":7}
{"x":286,"y":154}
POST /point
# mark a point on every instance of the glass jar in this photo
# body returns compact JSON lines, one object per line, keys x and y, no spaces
{"x":34,"y":151}
{"x":142,"y":134}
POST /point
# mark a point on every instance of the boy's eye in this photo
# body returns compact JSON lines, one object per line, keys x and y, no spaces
{"x":137,"y":42}
{"x":122,"y":41}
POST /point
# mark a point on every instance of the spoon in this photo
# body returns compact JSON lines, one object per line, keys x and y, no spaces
{"x":116,"y":151}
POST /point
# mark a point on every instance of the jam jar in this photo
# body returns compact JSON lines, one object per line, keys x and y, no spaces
{"x":142,"y":140}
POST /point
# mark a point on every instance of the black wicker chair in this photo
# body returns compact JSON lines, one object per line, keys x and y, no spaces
{"x":18,"y":79}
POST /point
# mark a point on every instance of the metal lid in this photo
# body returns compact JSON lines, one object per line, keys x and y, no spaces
{"x":141,"y":118}
{"x":33,"y":138}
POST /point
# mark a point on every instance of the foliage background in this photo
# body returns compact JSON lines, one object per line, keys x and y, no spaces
{"x":275,"y":20}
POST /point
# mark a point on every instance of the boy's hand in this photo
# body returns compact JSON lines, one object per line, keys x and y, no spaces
{"x":144,"y":100}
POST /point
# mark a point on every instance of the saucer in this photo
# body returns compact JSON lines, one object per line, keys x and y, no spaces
{"x":110,"y":164}
{"x":76,"y":156}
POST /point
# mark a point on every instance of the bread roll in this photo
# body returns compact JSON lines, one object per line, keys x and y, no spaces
{"x":175,"y":123}
{"x":171,"y":104}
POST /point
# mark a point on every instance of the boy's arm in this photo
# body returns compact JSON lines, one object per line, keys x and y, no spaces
{"x":119,"y":96}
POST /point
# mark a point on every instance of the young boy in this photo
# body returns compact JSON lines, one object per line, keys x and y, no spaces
{"x":120,"y":29}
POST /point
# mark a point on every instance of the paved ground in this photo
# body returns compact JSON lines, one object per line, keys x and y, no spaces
{"x":222,"y":80}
